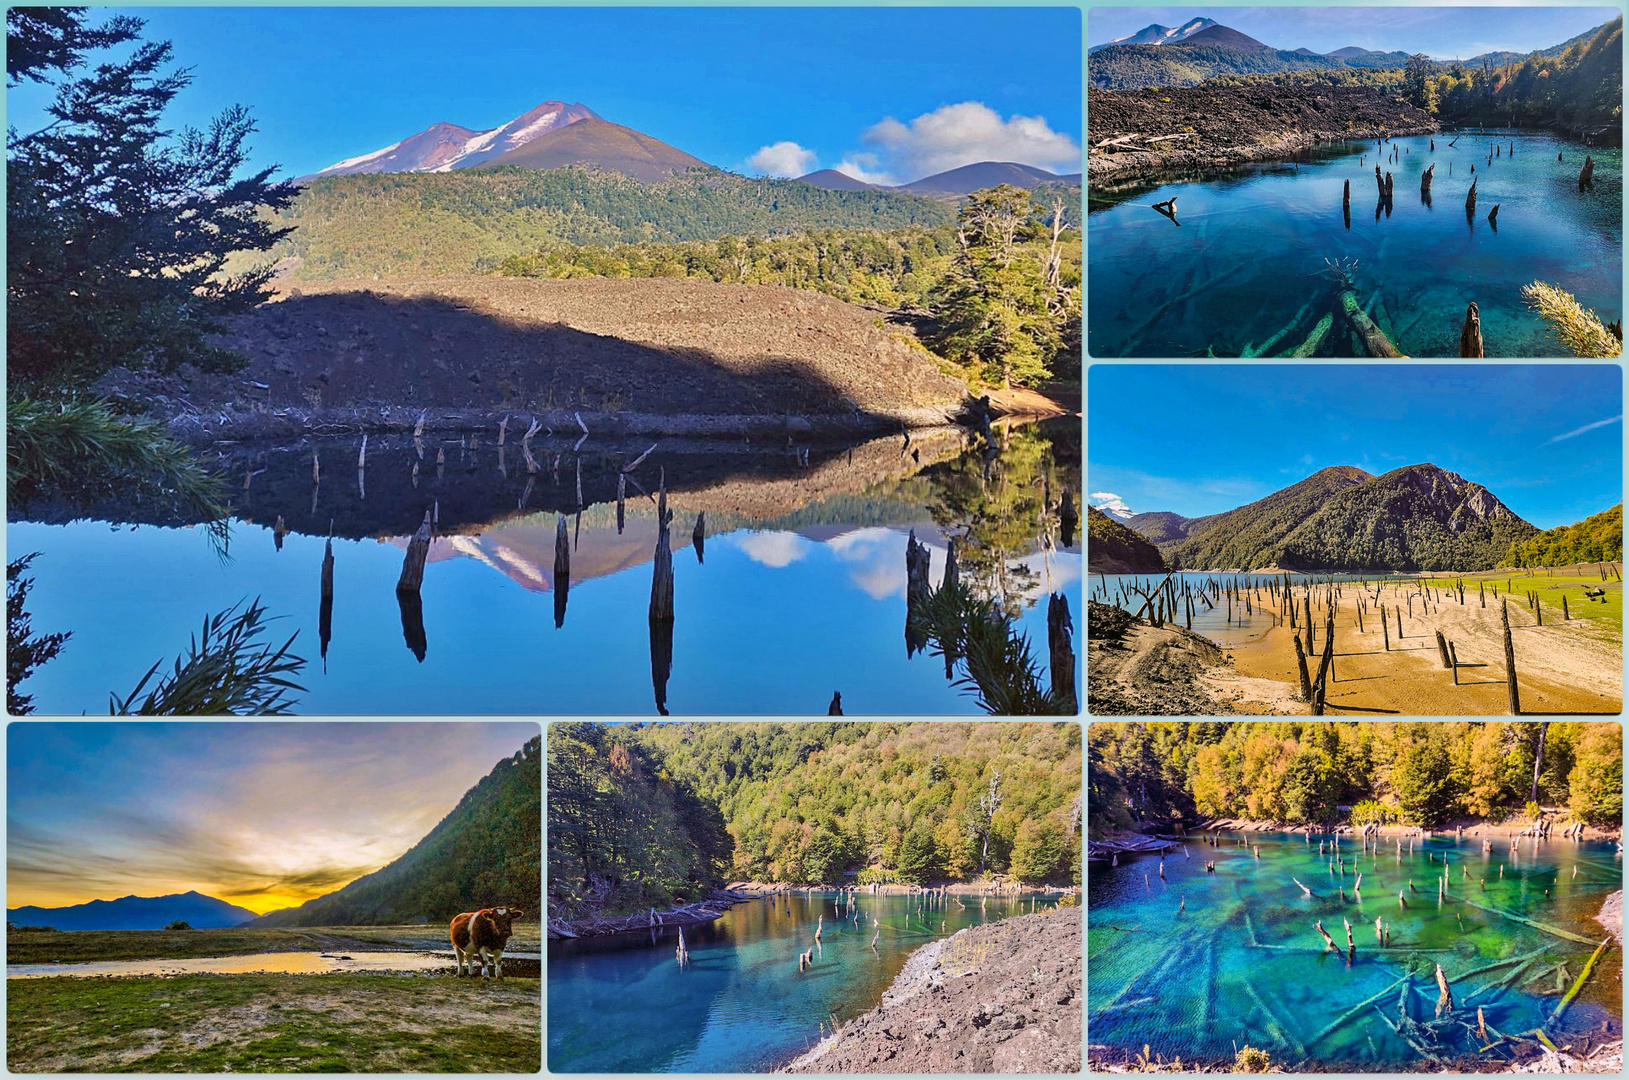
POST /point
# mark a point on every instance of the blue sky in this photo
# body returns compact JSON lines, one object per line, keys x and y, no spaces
{"x":1444,"y":31}
{"x":1546,"y":439}
{"x":263,"y":815}
{"x":730,"y":85}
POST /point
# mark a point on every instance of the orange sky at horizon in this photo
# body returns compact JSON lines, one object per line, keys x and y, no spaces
{"x":262,"y":815}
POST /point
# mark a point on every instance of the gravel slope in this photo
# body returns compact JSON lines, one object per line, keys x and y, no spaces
{"x":1005,"y":997}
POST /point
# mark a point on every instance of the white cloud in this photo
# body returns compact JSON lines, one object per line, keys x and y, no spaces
{"x":1108,"y":500}
{"x":967,"y":132}
{"x":774,"y":549}
{"x":784,"y":158}
{"x":864,"y":168}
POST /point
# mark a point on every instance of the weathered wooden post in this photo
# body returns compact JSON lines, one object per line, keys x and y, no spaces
{"x":325,"y":607}
{"x":418,"y":548}
{"x":1059,"y":633}
{"x":1586,"y":175}
{"x":698,"y":535}
{"x":1493,"y":217}
{"x":1445,"y":997}
{"x":1565,"y":614}
{"x":562,"y":571}
{"x":1470,"y":335}
{"x":412,"y":611}
{"x":1301,"y":666}
{"x":1329,"y":942}
{"x":1470,"y":199}
{"x":1346,"y":196}
{"x":1510,"y":666}
{"x":1442,"y":648}
{"x":1385,"y":634}
{"x":1453,"y":655}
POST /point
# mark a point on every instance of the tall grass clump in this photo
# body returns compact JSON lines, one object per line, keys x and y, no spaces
{"x":996,"y":663}
{"x":74,"y":446}
{"x":227,"y":670}
{"x":1579,"y":330}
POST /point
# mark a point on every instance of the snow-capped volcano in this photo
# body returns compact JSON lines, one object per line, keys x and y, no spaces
{"x":1155,"y":34}
{"x":443,"y":146}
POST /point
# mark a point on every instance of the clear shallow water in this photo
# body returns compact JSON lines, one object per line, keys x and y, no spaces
{"x":1213,"y":623}
{"x":800,"y":590}
{"x":1245,"y":963}
{"x":1249,"y":251}
{"x":622,"y":1004}
{"x":297,"y":963}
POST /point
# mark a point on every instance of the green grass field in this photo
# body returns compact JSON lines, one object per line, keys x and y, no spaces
{"x":43,"y":947}
{"x":274,"y":1023}
{"x":1604,"y":615}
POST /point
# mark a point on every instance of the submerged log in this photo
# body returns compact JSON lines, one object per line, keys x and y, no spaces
{"x":1445,"y":997}
{"x":1314,"y":340}
{"x":1470,"y":335}
{"x":1375,"y":342}
{"x":1582,"y":975}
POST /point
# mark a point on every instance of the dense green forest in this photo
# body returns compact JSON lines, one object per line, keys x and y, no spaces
{"x":467,"y":221}
{"x":1001,"y":282}
{"x":1598,"y":538}
{"x":1303,"y":771}
{"x":1132,"y":67}
{"x":1341,"y":518}
{"x":644,"y":813}
{"x":1575,"y":86}
{"x":1113,"y":547}
{"x":486,"y":852}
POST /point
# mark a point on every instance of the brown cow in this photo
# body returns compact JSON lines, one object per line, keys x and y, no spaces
{"x":478,"y":938}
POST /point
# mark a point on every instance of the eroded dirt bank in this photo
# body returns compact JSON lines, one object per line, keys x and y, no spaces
{"x":661,"y":356}
{"x":1003,"y":997}
{"x":1167,"y":129}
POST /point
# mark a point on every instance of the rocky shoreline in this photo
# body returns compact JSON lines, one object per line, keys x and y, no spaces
{"x":706,"y":910}
{"x":1135,"y":133}
{"x":1003,"y":997}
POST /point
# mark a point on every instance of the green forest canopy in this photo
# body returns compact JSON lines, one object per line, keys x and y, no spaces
{"x":646,"y":813}
{"x":1598,"y":538}
{"x":1303,"y":771}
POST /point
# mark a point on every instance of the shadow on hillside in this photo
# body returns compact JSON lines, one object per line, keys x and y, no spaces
{"x":365,"y":350}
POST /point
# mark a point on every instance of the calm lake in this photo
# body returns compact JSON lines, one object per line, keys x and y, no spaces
{"x":1217,"y":623}
{"x":1246,"y":255}
{"x":621,"y":1003}
{"x":1244,"y":963}
{"x":797,"y":590}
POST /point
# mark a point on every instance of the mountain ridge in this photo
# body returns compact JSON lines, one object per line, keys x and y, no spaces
{"x":444,"y":146}
{"x":199,"y":910}
{"x":1341,"y":518}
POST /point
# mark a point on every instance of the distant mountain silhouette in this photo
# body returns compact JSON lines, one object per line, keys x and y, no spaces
{"x":1155,"y":34}
{"x":445,"y":146}
{"x":836,"y":181}
{"x":984,"y":174}
{"x":486,"y":852}
{"x":1224,"y":35}
{"x":136,"y":913}
{"x":601,"y":144}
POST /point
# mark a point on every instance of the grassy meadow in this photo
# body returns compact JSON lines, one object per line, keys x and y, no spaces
{"x":274,"y":1023}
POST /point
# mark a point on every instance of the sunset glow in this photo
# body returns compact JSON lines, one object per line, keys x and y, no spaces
{"x":262,"y":815}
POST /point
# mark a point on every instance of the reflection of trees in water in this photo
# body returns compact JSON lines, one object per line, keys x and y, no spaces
{"x":1006,"y":507}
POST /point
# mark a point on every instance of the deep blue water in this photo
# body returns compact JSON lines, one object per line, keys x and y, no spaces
{"x":1249,"y":255}
{"x":622,"y":1003}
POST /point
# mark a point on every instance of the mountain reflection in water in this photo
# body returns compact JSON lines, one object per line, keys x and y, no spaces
{"x":800,"y":589}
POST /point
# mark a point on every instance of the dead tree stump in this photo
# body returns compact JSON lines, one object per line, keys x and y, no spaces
{"x":418,"y":549}
{"x":1060,"y":639}
{"x":1470,"y":335}
{"x":1510,"y":661}
{"x":1442,"y":648}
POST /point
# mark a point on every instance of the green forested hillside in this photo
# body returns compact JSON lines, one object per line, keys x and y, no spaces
{"x":1164,"y":527}
{"x":463,"y":221}
{"x":1114,"y":548}
{"x":1132,"y":67}
{"x":484,"y":853}
{"x":1413,"y":518}
{"x":1252,"y":536}
{"x":1598,"y":538}
{"x":1303,"y":771}
{"x":646,"y":812}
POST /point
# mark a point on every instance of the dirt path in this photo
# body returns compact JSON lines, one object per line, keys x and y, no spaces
{"x":1561,"y":666}
{"x":1004,"y":997}
{"x":1167,"y":671}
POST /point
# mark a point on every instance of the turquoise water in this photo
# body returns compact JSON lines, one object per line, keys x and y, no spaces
{"x":622,"y":1003}
{"x":798,"y":589}
{"x":1213,"y":623}
{"x":1244,"y":963}
{"x":1248,"y":255}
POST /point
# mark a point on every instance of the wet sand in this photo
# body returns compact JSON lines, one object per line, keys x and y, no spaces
{"x":1561,"y":667}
